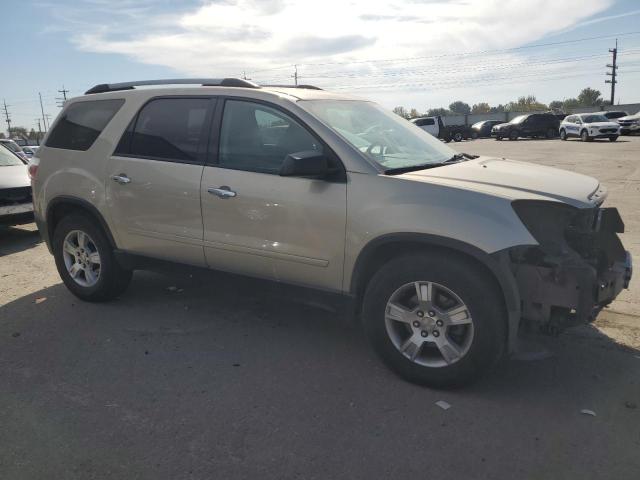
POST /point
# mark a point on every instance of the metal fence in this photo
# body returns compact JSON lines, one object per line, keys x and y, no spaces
{"x":472,"y":118}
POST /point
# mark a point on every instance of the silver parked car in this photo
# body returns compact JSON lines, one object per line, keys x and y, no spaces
{"x":16,"y":207}
{"x":442,"y":254}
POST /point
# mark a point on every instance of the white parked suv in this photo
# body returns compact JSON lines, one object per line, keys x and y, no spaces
{"x":442,"y":255}
{"x":588,"y":126}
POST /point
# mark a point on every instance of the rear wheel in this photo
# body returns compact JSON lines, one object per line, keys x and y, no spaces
{"x":434,"y":319}
{"x":498,"y":137}
{"x":85,"y":261}
{"x":513,"y":135}
{"x":563,"y":134}
{"x":613,"y":138}
{"x":457,"y":137}
{"x":584,"y":136}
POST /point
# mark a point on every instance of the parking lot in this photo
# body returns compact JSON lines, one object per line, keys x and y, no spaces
{"x":196,"y":375}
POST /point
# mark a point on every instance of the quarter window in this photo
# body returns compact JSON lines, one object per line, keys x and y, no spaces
{"x":257,"y":138}
{"x":81,"y":124}
{"x":169,"y":129}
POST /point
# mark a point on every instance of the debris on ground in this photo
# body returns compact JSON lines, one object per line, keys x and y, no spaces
{"x":40,"y":300}
{"x":585,"y":411}
{"x":15,"y":334}
{"x":443,"y":405}
{"x":630,"y":405}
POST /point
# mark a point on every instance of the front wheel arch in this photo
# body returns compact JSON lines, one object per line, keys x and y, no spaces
{"x":386,"y":247}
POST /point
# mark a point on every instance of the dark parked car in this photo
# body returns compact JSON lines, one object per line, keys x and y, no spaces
{"x":16,"y":206}
{"x":483,"y":128}
{"x":533,"y":125}
{"x":614,"y":115}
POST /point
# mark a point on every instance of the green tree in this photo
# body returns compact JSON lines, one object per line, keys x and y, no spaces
{"x":433,"y":112}
{"x":401,"y":111}
{"x":556,"y":105}
{"x":19,"y":132}
{"x":590,"y":97}
{"x":569,"y":104}
{"x":460,"y":107}
{"x":497,"y":109}
{"x":526,"y":104}
{"x":481,"y":107}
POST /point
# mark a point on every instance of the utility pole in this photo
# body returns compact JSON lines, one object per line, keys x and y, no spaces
{"x":62,"y":99}
{"x":613,"y":71}
{"x":295,"y":75}
{"x":44,"y":121}
{"x":39,"y":131}
{"x":48,"y":117}
{"x":7,"y":117}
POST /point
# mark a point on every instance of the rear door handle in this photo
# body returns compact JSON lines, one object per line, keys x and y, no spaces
{"x":122,"y":179}
{"x":222,"y":192}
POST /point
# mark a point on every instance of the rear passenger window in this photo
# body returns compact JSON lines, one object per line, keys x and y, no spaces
{"x":81,"y":124}
{"x":169,"y":129}
{"x":257,"y":138}
{"x":429,"y":121}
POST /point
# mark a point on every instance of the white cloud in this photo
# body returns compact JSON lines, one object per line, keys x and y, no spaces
{"x":226,"y":37}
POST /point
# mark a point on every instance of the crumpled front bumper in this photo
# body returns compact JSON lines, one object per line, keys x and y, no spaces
{"x":558,"y":291}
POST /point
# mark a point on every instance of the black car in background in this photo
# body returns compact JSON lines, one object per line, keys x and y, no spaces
{"x":614,"y":115}
{"x":532,"y":125}
{"x":483,"y":128}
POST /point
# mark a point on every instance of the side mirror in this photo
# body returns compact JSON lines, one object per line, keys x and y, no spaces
{"x":310,"y":164}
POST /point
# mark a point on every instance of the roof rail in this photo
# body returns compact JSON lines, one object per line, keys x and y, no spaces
{"x":307,"y":87}
{"x":205,"y":82}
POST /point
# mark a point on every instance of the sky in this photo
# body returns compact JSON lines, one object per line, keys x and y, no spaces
{"x":415,"y":53}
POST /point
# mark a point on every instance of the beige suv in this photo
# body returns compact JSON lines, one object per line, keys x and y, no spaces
{"x":442,"y":254}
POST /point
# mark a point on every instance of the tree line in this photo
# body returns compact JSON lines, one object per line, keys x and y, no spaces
{"x":21,"y":132}
{"x":588,"y":97}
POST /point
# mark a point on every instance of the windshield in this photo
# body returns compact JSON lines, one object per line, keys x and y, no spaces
{"x":383,"y":136}
{"x":519,"y":119}
{"x":8,"y":159}
{"x":11,"y":146}
{"x":594,"y":118}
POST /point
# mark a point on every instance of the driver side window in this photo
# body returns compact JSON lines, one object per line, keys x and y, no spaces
{"x":257,"y":138}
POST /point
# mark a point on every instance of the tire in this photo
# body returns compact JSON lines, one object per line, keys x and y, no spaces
{"x":474,"y":135}
{"x":447,"y":274}
{"x":457,"y":137}
{"x":498,"y":137}
{"x":108,"y":280}
{"x":584,"y":136}
{"x":563,"y":135}
{"x":613,"y":138}
{"x":513,"y":135}
{"x":551,"y":133}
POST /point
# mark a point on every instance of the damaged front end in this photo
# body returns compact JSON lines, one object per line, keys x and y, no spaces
{"x":578,"y":267}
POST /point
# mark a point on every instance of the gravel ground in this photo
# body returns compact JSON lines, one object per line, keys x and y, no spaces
{"x":226,"y":377}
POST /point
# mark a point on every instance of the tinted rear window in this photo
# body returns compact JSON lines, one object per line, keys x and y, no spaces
{"x":168,"y":129}
{"x":81,"y":124}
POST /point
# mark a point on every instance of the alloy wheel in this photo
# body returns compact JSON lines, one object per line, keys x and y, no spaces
{"x":429,"y":324}
{"x":81,"y":258}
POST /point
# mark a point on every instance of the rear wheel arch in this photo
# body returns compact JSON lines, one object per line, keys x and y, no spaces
{"x":63,"y":206}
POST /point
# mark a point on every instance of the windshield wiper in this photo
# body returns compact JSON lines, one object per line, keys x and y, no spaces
{"x":460,"y":157}
{"x":412,"y":168}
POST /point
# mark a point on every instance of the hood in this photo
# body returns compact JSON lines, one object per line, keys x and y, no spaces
{"x":635,"y":116}
{"x":515,"y":180}
{"x":502,"y":125}
{"x":602,"y":125}
{"x":15,"y":176}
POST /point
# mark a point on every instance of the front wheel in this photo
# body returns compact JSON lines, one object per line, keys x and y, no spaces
{"x":613,"y":138}
{"x":457,"y":137}
{"x":514,"y":135}
{"x":584,"y":136}
{"x":85,"y":261}
{"x":474,"y":135}
{"x":563,"y":134}
{"x":436,"y":320}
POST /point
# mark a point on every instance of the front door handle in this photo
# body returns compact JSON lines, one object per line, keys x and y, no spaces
{"x":222,"y":192}
{"x":122,"y":179}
